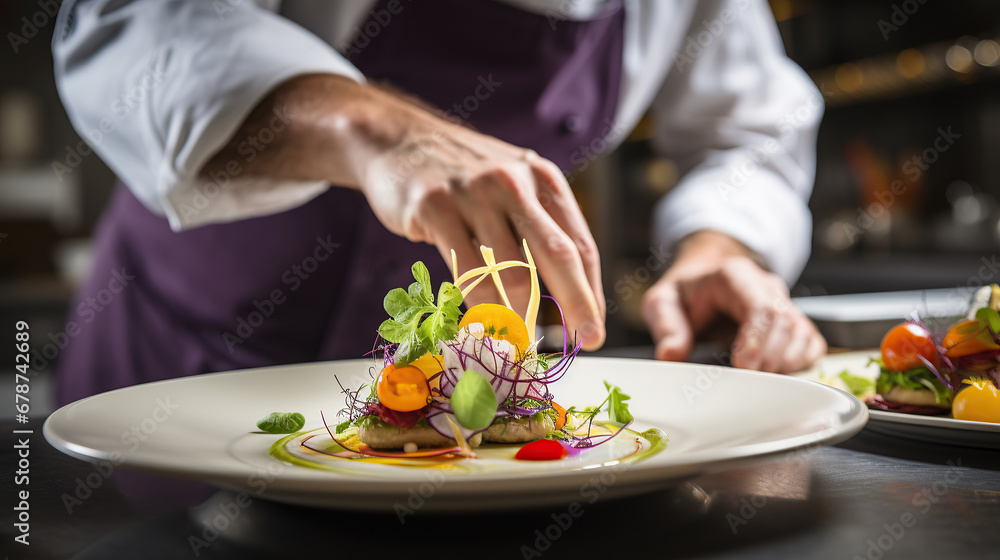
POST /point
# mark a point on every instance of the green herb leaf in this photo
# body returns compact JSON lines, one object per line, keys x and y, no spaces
{"x":444,"y":321}
{"x":474,"y":401}
{"x":543,"y":362}
{"x":617,"y":408}
{"x":523,"y":402}
{"x":423,"y":277}
{"x":560,"y":435}
{"x":988,"y":317}
{"x":400,"y":305}
{"x":411,"y":348}
{"x":393,"y":331}
{"x":915,"y":380}
{"x":417,"y":323}
{"x":282,"y":422}
{"x":856,"y":384}
{"x":502,"y":331}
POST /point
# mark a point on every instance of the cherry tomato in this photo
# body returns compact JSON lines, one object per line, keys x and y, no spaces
{"x":542,"y":450}
{"x":979,"y":402}
{"x":404,"y":389}
{"x":967,"y":338}
{"x":904,"y":343}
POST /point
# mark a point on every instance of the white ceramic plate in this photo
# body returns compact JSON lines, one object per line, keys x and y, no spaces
{"x":202,"y":428}
{"x":934,"y":429}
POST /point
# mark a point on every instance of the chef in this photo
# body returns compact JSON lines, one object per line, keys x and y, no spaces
{"x":284,"y":163}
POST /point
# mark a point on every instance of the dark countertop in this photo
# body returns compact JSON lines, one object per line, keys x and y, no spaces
{"x":870,"y":497}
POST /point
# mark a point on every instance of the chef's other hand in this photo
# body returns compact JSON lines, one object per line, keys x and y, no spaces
{"x":714,"y":274}
{"x":433,"y":180}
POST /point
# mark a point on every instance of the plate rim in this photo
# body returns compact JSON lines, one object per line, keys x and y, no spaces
{"x":852,"y":421}
{"x":933,"y":421}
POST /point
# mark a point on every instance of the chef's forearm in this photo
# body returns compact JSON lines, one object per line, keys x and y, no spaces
{"x":317,"y":128}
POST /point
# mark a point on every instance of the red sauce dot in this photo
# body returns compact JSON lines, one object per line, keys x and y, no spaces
{"x":542,"y":450}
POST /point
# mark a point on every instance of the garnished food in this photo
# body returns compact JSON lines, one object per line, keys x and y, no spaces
{"x":455,"y":382}
{"x":957,"y":371}
{"x":447,"y":383}
{"x":403,"y":389}
{"x":500,"y":323}
{"x":971,"y":343}
{"x":906,"y":346}
{"x":861,"y":387}
{"x":908,"y":353}
{"x":282,"y":422}
{"x":417,"y":322}
{"x":979,"y":402}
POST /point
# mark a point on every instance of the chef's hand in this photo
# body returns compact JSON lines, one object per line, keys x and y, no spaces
{"x":455,"y":188}
{"x":714,"y":274}
{"x":432,"y":180}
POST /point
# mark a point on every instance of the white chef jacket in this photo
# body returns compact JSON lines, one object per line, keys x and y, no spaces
{"x":158,"y":87}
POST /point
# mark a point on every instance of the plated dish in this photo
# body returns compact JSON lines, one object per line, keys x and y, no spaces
{"x":935,"y":375}
{"x":412,"y":433}
{"x":930,"y":371}
{"x":714,"y":416}
{"x":939,"y":429}
{"x":444,"y":383}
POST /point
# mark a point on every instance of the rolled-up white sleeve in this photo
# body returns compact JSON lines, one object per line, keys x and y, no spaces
{"x":158,"y":87}
{"x":740,"y":120}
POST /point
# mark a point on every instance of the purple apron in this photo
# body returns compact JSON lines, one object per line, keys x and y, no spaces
{"x":307,"y":284}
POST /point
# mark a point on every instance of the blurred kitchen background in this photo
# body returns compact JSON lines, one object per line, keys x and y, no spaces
{"x":895,"y":76}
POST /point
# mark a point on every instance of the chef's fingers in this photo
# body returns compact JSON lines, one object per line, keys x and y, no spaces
{"x":668,"y":323}
{"x":447,"y":230}
{"x":806,"y":347}
{"x":744,"y":291}
{"x":793,"y":354}
{"x":814,"y":350}
{"x":750,"y":339}
{"x":561,"y":268}
{"x":773,"y":334}
{"x":490,"y":227}
{"x":557,"y":199}
{"x":749,"y":295}
{"x":777,"y":338}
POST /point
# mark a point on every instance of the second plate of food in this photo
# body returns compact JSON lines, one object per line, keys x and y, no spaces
{"x":934,"y":429}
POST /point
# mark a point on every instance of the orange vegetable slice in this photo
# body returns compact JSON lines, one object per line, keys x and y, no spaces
{"x":501,"y":323}
{"x":967,"y":338}
{"x":561,"y":418}
{"x":403,"y":390}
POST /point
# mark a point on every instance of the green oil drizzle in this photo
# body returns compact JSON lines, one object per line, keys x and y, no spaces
{"x":278,"y":451}
{"x":655,"y":437}
{"x":658,"y":441}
